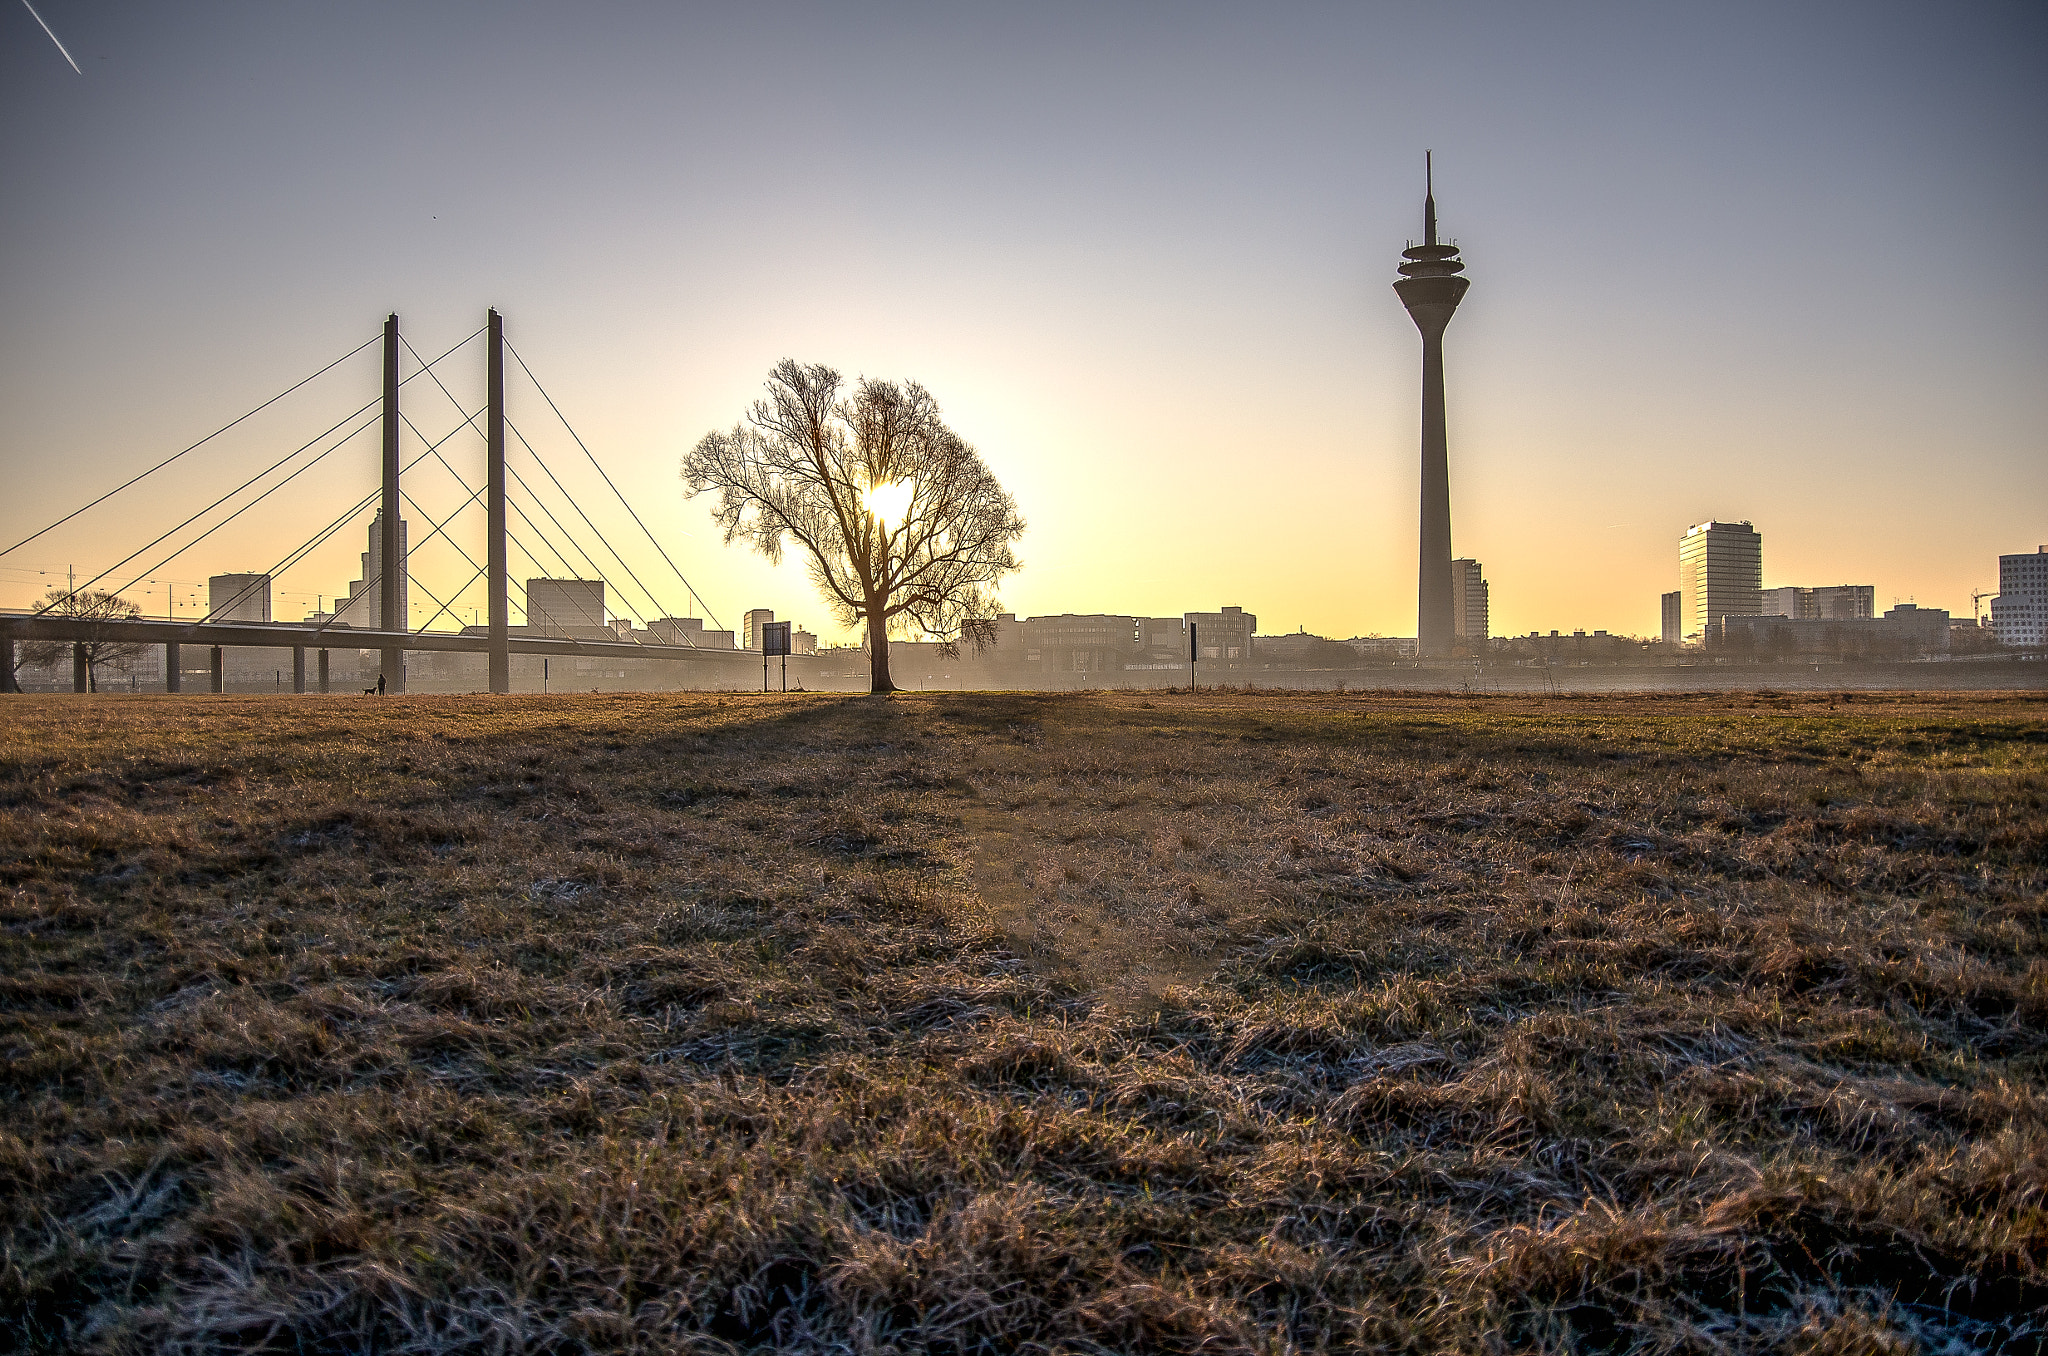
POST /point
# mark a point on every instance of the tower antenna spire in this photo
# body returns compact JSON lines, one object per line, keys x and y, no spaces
{"x":1428,"y":198}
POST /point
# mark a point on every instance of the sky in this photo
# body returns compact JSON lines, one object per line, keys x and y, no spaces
{"x":1782,"y":263}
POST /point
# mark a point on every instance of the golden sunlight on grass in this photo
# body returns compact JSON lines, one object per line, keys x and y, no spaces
{"x":1251,"y":1023}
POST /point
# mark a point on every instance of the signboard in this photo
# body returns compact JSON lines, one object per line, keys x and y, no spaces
{"x":774,"y":638}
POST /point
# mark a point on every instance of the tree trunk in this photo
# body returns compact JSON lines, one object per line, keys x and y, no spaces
{"x":878,"y":652}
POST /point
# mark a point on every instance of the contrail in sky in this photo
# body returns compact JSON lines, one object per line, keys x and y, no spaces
{"x":53,"y":37}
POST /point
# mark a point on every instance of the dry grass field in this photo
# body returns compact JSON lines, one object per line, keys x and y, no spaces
{"x":1014,"y":1023}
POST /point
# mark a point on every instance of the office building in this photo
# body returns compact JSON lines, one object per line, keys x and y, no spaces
{"x":750,"y":627}
{"x":1383,"y":648}
{"x":364,"y":606}
{"x":1674,"y":627}
{"x":1092,"y":642}
{"x":1468,"y":599}
{"x":1720,"y":574}
{"x":1225,"y":635}
{"x":2019,"y":614}
{"x":1838,"y":602}
{"x":1905,"y":632}
{"x":238,"y":598}
{"x":561,"y":607}
{"x":1161,"y":639}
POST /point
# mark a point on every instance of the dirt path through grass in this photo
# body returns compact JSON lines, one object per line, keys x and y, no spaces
{"x":1123,"y":877}
{"x":1077,"y":920}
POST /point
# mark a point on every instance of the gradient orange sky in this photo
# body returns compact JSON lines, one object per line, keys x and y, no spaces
{"x":1766,"y":262}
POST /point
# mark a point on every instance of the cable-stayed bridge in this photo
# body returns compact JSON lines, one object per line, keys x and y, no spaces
{"x":554,"y":544}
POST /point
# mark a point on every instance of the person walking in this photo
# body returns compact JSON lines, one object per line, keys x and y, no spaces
{"x":380,"y":684}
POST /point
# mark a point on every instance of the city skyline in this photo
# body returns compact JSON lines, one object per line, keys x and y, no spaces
{"x":1182,"y":326}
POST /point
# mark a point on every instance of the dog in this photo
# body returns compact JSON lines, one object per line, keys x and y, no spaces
{"x":369,"y":692}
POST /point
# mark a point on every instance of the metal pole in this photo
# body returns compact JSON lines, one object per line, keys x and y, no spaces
{"x":299,"y":669}
{"x":391,"y":592}
{"x":174,"y":668}
{"x":494,"y":431}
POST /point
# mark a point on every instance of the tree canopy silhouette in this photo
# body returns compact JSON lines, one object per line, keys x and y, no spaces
{"x":903,"y":524}
{"x":99,"y":651}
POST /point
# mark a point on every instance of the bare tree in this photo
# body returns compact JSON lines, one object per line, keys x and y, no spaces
{"x":903,"y":524}
{"x":90,"y":605}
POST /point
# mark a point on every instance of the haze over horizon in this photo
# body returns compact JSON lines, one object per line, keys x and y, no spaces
{"x":1764,"y":263}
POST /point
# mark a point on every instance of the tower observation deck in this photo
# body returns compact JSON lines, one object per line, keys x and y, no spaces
{"x":1431,"y":289}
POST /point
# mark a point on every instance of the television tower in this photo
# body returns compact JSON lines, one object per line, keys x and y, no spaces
{"x":1431,"y":289}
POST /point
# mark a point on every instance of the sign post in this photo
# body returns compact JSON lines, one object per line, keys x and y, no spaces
{"x":1194,"y":654}
{"x":775,"y":640}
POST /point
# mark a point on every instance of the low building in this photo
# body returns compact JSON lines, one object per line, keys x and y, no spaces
{"x":1161,"y":640}
{"x":1835,"y":602}
{"x":1905,"y":632}
{"x":563,"y":607}
{"x":685,"y":631}
{"x":1090,"y":642}
{"x":238,"y":598}
{"x":1224,"y":636}
{"x":1383,"y":648}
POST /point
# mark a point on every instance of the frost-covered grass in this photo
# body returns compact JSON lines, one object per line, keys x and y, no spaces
{"x":1001,"y":1022}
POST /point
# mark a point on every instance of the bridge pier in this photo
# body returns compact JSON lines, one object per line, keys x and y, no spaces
{"x":220,"y":672}
{"x":299,"y":669}
{"x":80,"y":671}
{"x":323,"y":670}
{"x":7,"y":683}
{"x":174,"y":668}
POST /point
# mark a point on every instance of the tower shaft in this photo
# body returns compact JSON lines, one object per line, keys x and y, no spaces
{"x":1434,"y":613}
{"x":1431,"y":289}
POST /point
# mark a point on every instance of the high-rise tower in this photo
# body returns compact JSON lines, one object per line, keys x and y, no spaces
{"x":1431,"y":289}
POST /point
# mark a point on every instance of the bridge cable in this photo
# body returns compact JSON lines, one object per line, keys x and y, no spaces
{"x":608,"y":480}
{"x":540,"y":462}
{"x":437,"y":598}
{"x":313,"y":543}
{"x":568,"y":569}
{"x":250,"y":587}
{"x":334,"y":447}
{"x":474,"y":494}
{"x":201,"y":443}
{"x":237,"y":490}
